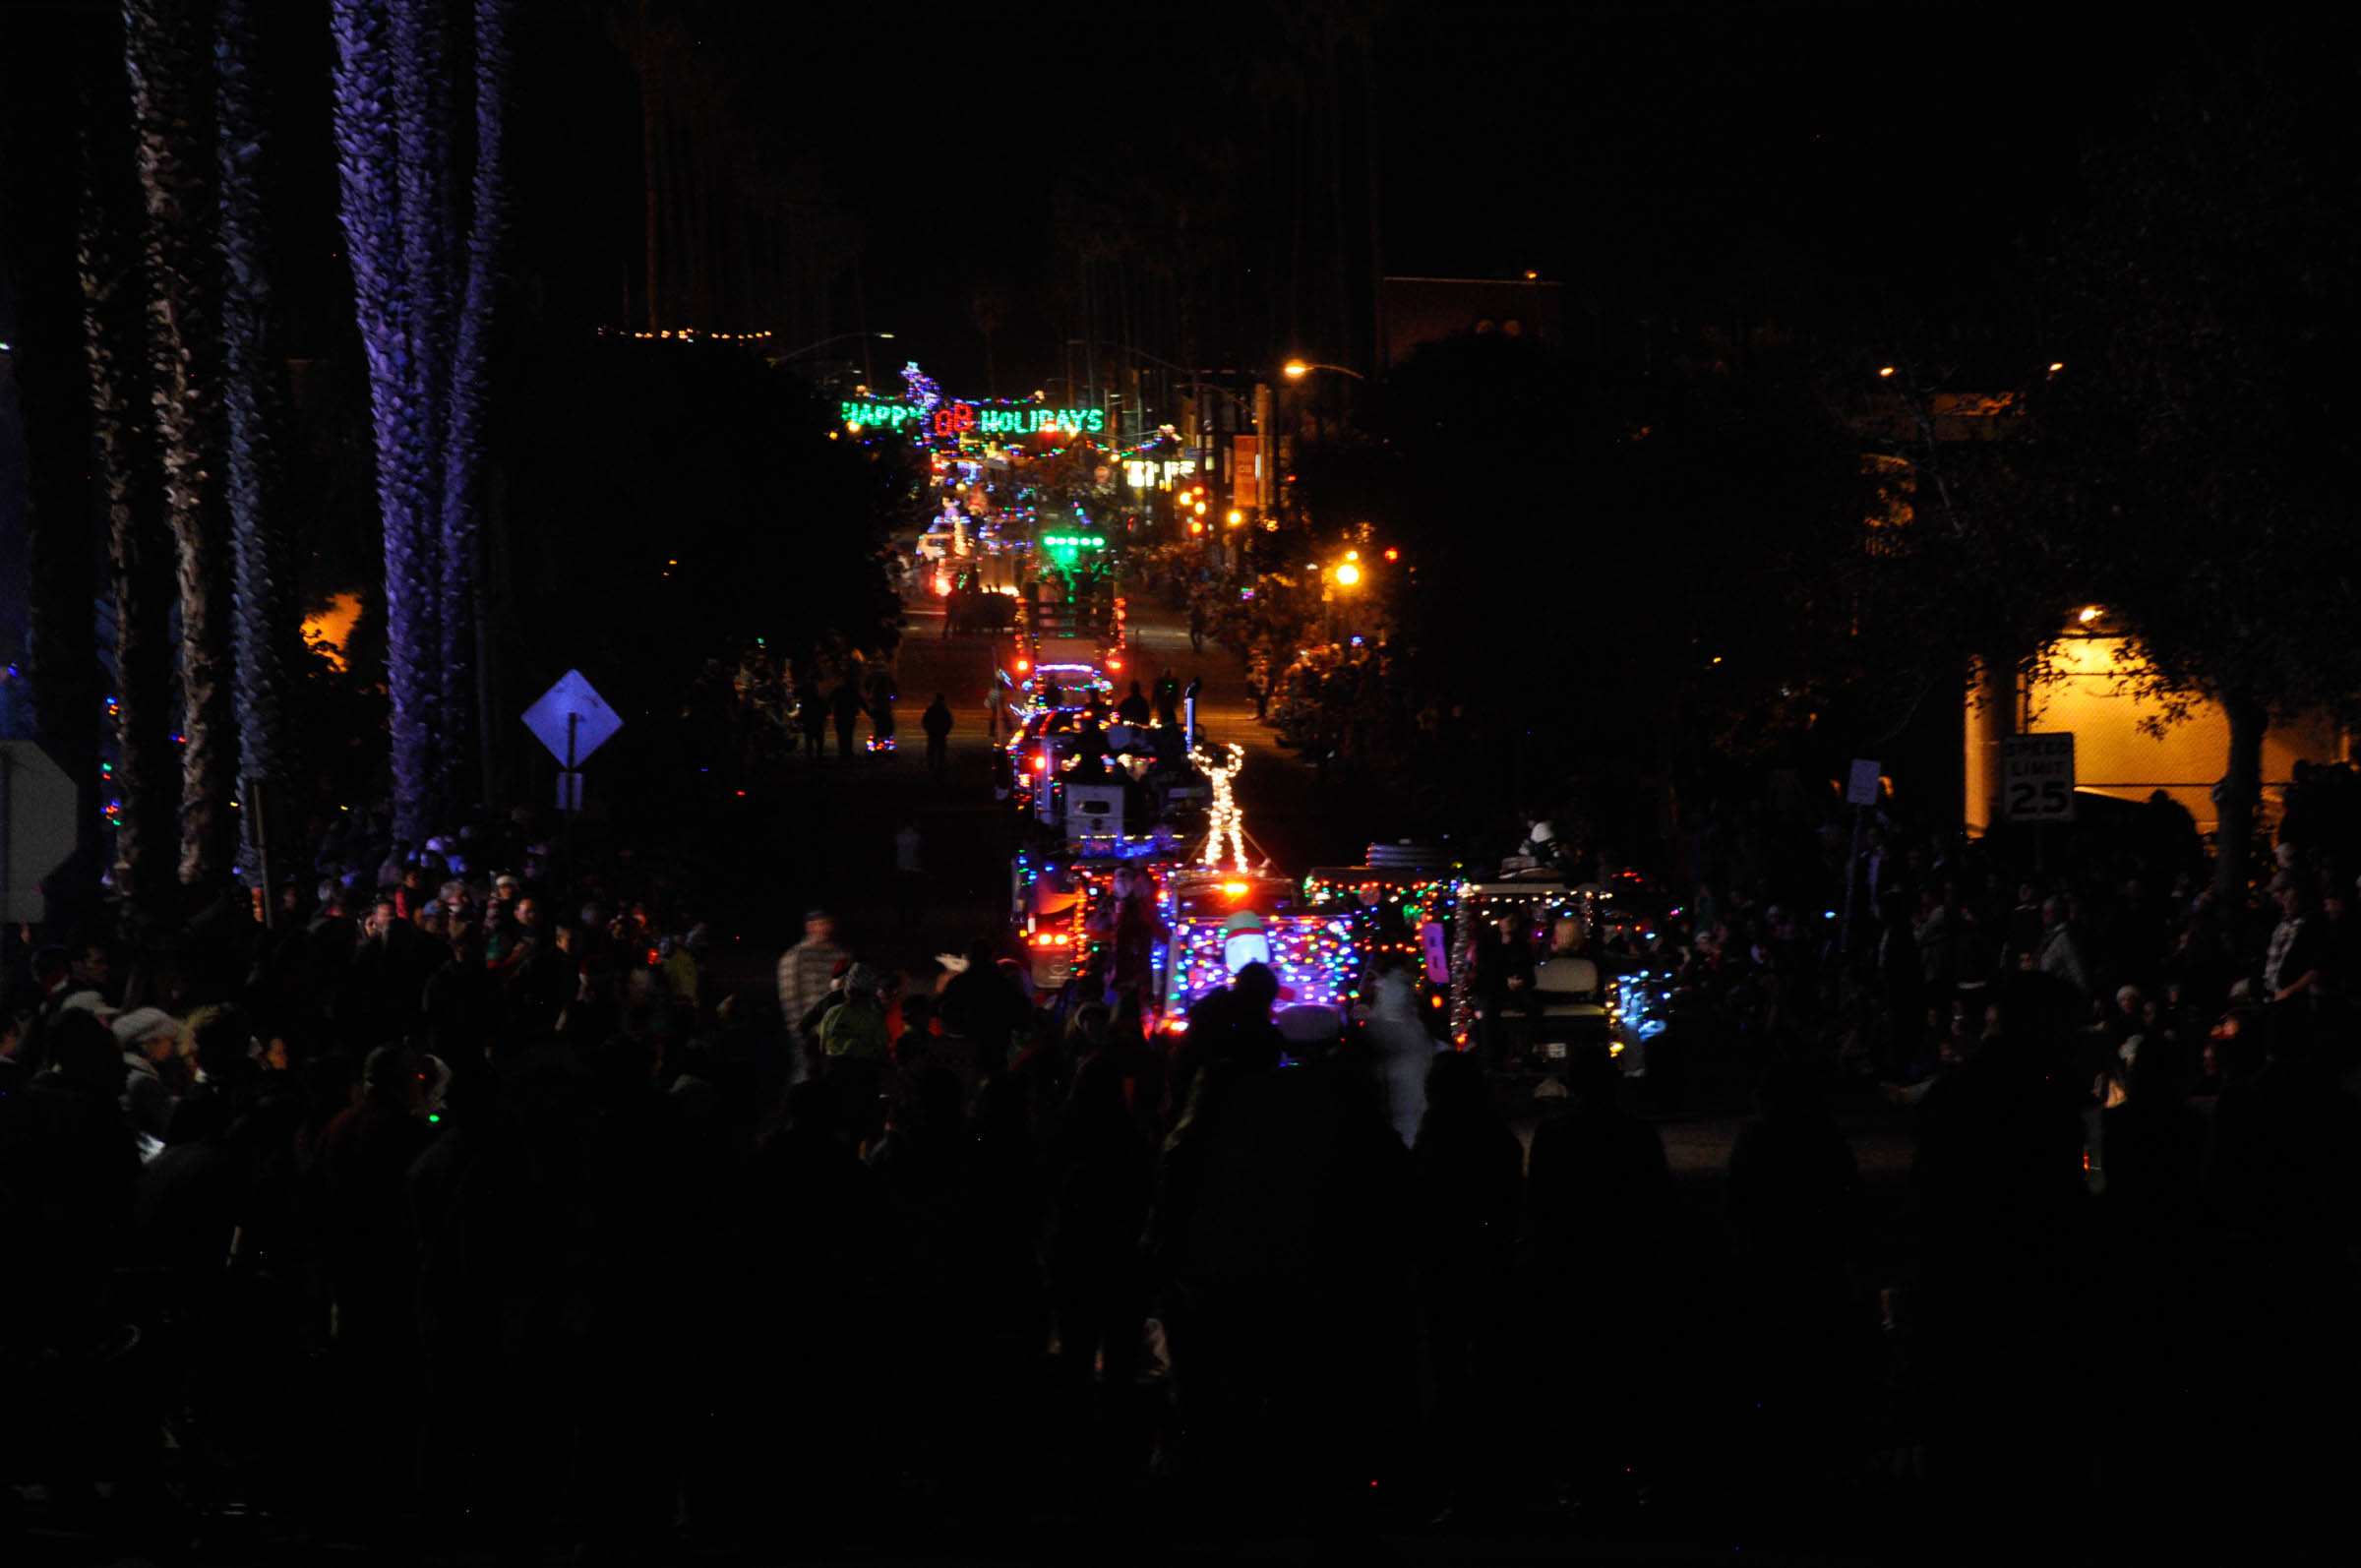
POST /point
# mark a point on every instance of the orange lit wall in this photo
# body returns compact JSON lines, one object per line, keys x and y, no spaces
{"x":2090,"y":696}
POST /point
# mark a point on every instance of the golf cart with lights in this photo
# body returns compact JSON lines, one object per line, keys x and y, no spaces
{"x":1579,"y":994}
{"x":1400,"y":904}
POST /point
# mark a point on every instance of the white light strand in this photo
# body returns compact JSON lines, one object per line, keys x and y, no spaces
{"x":1229,"y":822}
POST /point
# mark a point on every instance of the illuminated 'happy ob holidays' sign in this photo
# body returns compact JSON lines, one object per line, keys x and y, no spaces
{"x":951,"y":421}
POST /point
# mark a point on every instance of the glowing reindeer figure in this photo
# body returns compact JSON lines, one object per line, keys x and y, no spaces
{"x":1229,"y":822}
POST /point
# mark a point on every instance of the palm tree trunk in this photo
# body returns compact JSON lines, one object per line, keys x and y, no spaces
{"x":140,"y":794}
{"x":372,"y":217}
{"x":262,"y":574}
{"x":422,"y":145}
{"x":466,"y":760}
{"x":165,"y":50}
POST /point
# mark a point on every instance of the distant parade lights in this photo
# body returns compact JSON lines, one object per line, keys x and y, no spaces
{"x":686,"y":335}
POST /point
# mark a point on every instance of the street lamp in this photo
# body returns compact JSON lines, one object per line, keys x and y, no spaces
{"x":1347,"y":574}
{"x":1297,"y":369}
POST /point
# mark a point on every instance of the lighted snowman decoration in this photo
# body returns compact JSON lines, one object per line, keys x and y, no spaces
{"x":1244,"y":941}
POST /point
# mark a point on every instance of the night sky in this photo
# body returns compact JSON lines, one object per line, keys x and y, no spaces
{"x":1904,"y":154}
{"x":1913,"y":153}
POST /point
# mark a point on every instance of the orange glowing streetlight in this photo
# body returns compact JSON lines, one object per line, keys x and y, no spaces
{"x":1297,"y":369}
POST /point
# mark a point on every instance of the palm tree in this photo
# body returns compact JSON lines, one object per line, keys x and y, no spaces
{"x":138,"y":542}
{"x":463,"y":663}
{"x":371,"y":210}
{"x":263,"y":577}
{"x":165,"y":51}
{"x":426,"y":359}
{"x":423,"y":185}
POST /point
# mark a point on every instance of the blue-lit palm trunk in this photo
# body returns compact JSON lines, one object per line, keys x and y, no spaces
{"x":463,"y":628}
{"x":422,"y":309}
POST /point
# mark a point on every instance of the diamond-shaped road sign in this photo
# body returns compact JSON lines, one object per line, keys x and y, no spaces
{"x":592,"y":722}
{"x":36,"y":826}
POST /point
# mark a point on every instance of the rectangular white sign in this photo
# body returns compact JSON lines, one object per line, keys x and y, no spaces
{"x":2036,"y":778}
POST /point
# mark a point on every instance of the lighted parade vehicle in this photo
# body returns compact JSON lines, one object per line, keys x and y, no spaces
{"x":1221,"y":920}
{"x":1047,"y":718}
{"x":1611,"y":991}
{"x":1052,"y":780}
{"x":1400,"y":905}
{"x":1220,"y":915}
{"x":1074,"y":904}
{"x":1047,"y":642}
{"x":1074,"y":612}
{"x":1088,"y":889}
{"x":1057,"y":687}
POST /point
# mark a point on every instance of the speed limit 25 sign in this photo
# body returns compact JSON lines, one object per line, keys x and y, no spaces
{"x":2036,"y":778}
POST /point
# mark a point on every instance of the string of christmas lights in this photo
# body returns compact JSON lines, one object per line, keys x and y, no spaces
{"x":1316,"y":961}
{"x":1229,"y":823}
{"x":923,"y":388}
{"x":685,"y":335}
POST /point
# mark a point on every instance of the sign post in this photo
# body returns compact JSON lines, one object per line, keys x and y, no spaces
{"x":572,"y":720}
{"x":1862,"y":784}
{"x":37,"y":828}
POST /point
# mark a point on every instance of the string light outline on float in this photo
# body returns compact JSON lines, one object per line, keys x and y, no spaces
{"x":1228,"y":821}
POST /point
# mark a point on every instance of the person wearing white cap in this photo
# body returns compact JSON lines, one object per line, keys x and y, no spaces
{"x":153,"y":1047}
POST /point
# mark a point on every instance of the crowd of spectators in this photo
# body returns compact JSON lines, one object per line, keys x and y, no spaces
{"x":439,"y":1219}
